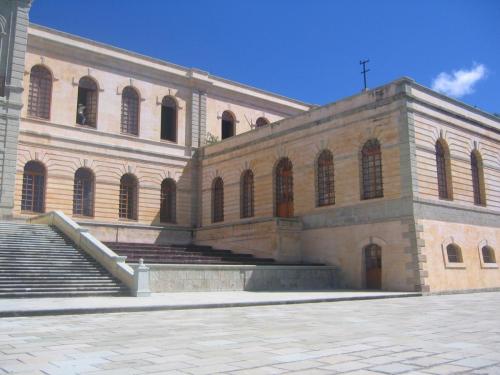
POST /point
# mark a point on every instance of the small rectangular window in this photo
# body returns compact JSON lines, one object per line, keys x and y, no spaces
{"x":2,"y":86}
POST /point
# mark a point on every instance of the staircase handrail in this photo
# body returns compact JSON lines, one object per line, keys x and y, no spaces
{"x":137,"y":280}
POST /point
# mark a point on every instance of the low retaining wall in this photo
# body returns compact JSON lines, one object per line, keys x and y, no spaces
{"x":110,"y":232}
{"x":183,"y":278}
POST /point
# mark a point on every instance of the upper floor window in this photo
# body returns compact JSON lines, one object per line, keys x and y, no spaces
{"x":130,"y":111}
{"x":443,"y":170}
{"x":86,"y":106}
{"x":33,"y":190}
{"x":284,"y":188}
{"x":247,"y":204}
{"x":40,"y":92}
{"x":488,"y":254}
{"x":476,"y":164}
{"x":228,"y":124}
{"x":454,"y":253}
{"x":128,"y":197}
{"x":167,"y":203}
{"x":325,"y":179}
{"x":371,"y":165}
{"x":217,"y":200}
{"x":261,"y":121}
{"x":169,"y":119}
{"x":83,"y":193}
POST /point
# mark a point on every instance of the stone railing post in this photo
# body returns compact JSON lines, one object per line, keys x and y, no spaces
{"x":141,"y":280}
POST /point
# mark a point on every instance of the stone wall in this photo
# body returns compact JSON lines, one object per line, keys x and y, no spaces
{"x":13,"y":37}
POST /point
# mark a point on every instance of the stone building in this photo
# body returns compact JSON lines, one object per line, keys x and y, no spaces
{"x":398,"y":186}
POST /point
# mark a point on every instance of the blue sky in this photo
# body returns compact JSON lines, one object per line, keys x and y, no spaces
{"x":308,"y":49}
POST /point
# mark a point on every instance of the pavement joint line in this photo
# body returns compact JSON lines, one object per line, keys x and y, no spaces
{"x":124,"y":309}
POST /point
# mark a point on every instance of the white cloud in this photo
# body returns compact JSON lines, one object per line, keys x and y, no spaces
{"x":459,"y":82}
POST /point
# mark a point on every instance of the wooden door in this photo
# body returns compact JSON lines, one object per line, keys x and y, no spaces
{"x":373,"y":266}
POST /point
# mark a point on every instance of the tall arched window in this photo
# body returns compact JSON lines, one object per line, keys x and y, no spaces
{"x":443,"y":169}
{"x":476,"y":165}
{"x":83,"y":193}
{"x":261,"y":121}
{"x":284,"y":188}
{"x":371,"y":165}
{"x":217,"y":200}
{"x":247,"y":203}
{"x":40,"y":92}
{"x":86,"y":106}
{"x":130,"y":111}
{"x":167,"y":203}
{"x":169,"y":119}
{"x":454,"y":254}
{"x":33,"y":191}
{"x":128,"y":197}
{"x":228,"y":124}
{"x":325,"y":179}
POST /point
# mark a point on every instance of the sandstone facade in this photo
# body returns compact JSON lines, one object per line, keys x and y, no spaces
{"x":407,"y":221}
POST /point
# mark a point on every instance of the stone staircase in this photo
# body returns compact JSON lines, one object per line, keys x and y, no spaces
{"x":39,"y":261}
{"x":183,"y":254}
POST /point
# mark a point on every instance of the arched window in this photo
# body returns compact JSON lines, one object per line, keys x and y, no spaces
{"x":443,"y":170}
{"x":227,"y":125}
{"x":217,"y":200}
{"x":83,"y":193}
{"x":40,"y":92}
{"x":325,"y":179}
{"x":169,"y":119}
{"x":128,"y":197}
{"x":261,"y":121}
{"x":284,"y":188}
{"x":130,"y":111}
{"x":371,"y":164}
{"x":86,"y":106}
{"x":33,"y":192}
{"x":454,"y":254}
{"x":476,"y":165}
{"x":488,"y":254}
{"x":247,"y":194}
{"x":167,"y":203}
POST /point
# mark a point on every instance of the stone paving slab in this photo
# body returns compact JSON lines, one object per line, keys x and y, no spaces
{"x":180,"y":301}
{"x":455,"y":334}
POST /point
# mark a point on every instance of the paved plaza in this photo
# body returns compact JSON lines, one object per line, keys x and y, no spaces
{"x":426,"y":335}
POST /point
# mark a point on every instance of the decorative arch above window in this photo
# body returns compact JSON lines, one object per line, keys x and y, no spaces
{"x":128,"y":197}
{"x":478,"y":188}
{"x":443,"y":170}
{"x":83,"y":193}
{"x":325,"y":179}
{"x":86,"y":106}
{"x":371,"y":170}
{"x":169,"y":119}
{"x":261,"y":121}
{"x":130,"y":111}
{"x":228,"y":125}
{"x":247,"y":194}
{"x":168,"y":201}
{"x":40,"y":92}
{"x":217,"y":200}
{"x":33,"y":190}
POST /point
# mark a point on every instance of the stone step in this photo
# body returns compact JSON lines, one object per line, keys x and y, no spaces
{"x":79,"y":293}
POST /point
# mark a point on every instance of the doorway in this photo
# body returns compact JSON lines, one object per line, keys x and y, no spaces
{"x":373,"y":266}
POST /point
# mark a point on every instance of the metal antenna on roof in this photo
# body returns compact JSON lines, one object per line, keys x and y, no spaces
{"x":364,"y":71}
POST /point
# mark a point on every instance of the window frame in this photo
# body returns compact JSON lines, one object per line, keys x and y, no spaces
{"x":229,"y":118}
{"x":135,"y":207}
{"x":477,"y":177}
{"x":96,"y":100}
{"x":92,"y":199}
{"x":169,"y":101}
{"x":129,"y":95}
{"x":34,"y":174}
{"x":325,"y":180}
{"x":371,"y":170}
{"x":217,"y":200}
{"x":170,"y":215}
{"x":443,"y":170}
{"x":485,"y":265}
{"x":49,"y":79}
{"x":447,"y":263}
{"x":247,"y":194}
